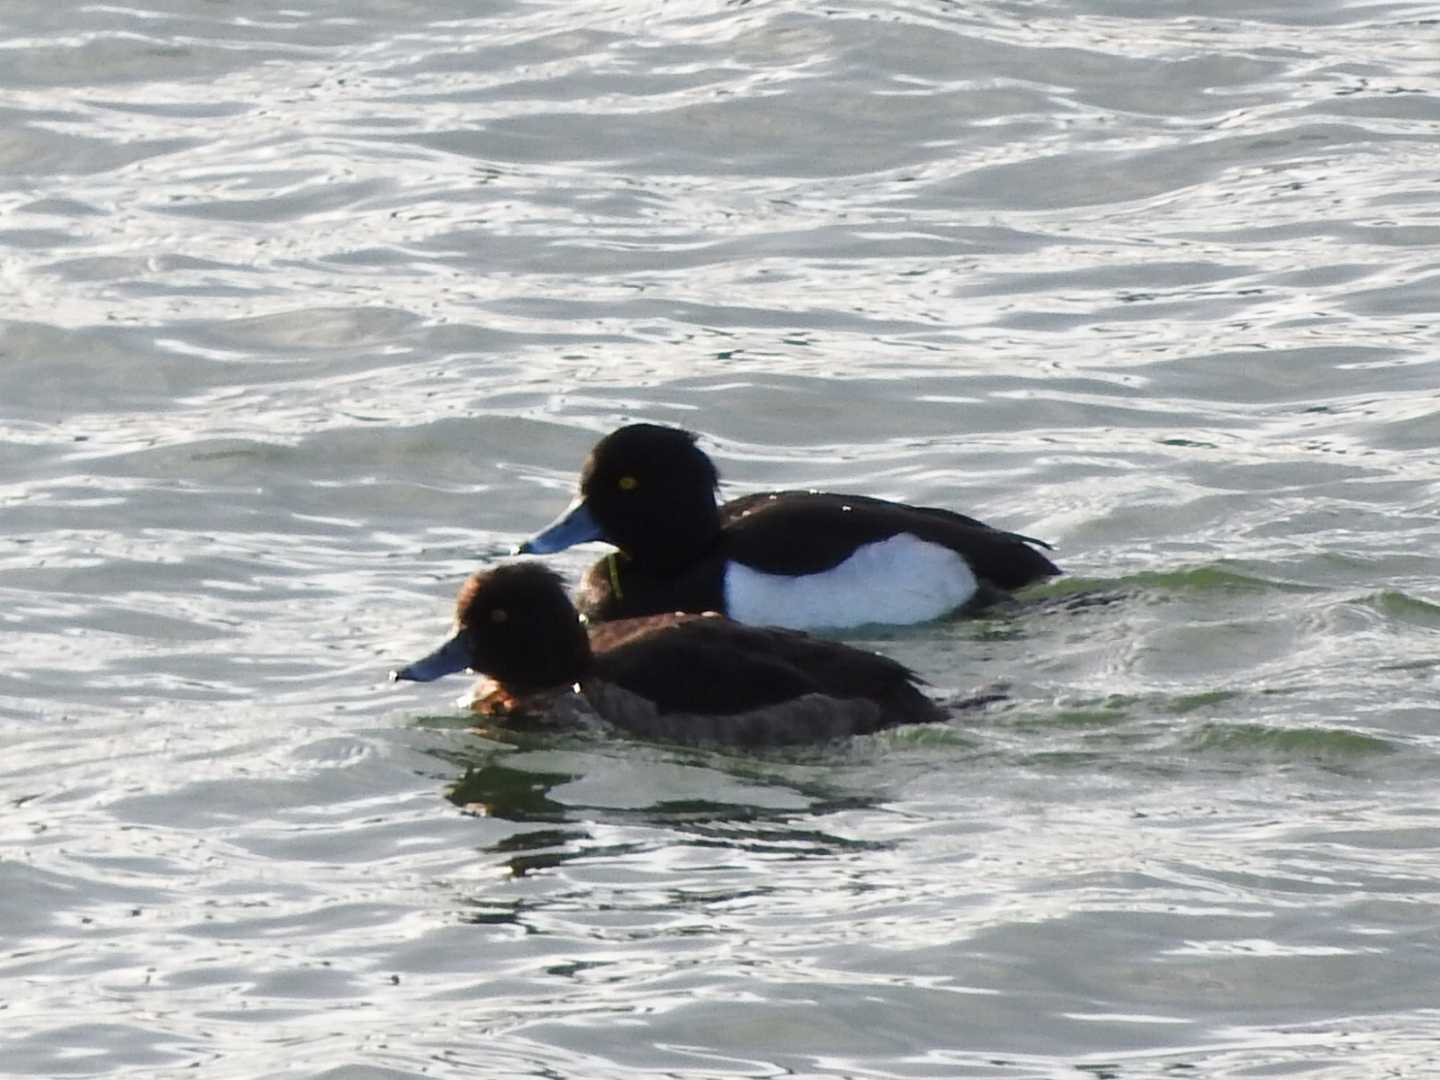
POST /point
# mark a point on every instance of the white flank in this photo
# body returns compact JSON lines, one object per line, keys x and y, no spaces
{"x":899,"y":580}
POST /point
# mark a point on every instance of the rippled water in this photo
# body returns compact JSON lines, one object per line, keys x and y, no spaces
{"x":308,"y":310}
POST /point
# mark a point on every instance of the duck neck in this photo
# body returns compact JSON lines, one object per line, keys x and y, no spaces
{"x":687,"y":534}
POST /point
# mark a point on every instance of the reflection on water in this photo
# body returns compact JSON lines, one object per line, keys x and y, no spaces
{"x":514,"y":794}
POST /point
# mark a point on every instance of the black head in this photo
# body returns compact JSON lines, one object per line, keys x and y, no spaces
{"x":652,"y":492}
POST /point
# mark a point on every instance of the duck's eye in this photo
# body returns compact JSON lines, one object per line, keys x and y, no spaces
{"x":628,"y":483}
{"x":499,"y":615}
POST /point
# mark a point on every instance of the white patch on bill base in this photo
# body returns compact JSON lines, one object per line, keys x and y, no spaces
{"x":900,"y":580}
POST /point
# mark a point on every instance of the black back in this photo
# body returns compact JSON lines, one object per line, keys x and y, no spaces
{"x":806,"y":532}
{"x":711,"y":679}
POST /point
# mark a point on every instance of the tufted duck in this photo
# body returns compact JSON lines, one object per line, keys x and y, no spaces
{"x":799,"y":559}
{"x":679,"y":677}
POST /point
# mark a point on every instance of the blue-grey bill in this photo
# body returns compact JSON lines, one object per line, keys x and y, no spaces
{"x":449,"y":658}
{"x":575,"y":526}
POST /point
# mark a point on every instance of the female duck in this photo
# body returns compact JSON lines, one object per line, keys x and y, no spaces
{"x":679,"y":677}
{"x":799,"y":559}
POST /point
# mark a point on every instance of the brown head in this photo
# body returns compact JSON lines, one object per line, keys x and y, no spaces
{"x":515,"y":624}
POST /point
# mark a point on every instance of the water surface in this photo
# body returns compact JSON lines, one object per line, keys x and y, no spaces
{"x":311,"y":310}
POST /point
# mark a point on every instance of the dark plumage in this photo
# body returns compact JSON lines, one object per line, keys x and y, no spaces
{"x":682,"y":677}
{"x":650,"y":491}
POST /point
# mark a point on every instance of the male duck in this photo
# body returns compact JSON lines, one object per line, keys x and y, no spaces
{"x":799,"y":559}
{"x":679,"y":677}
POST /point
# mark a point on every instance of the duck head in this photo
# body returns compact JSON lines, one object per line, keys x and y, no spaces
{"x":515,"y":624}
{"x":646,"y":489}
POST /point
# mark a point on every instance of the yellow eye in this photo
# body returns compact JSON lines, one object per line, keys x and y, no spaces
{"x":628,"y":483}
{"x":499,"y":615}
